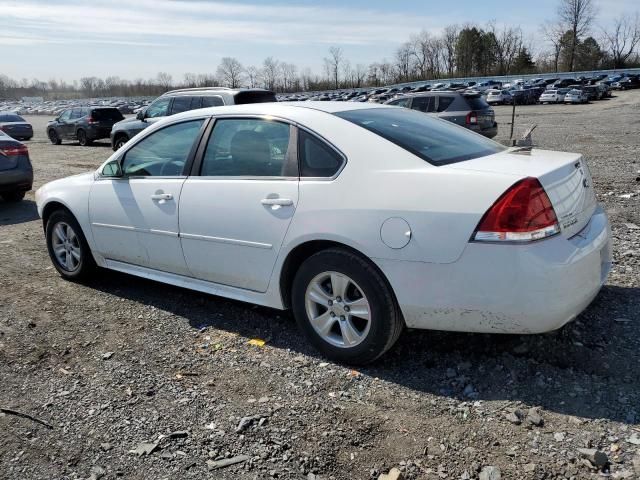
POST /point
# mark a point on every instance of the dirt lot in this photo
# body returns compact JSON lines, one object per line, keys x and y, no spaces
{"x":120,"y":360}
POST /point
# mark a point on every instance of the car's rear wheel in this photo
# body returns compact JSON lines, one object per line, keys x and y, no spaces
{"x":68,"y":247}
{"x":13,"y":196}
{"x":83,"y":140}
{"x":54,"y":138}
{"x":345,"y":307}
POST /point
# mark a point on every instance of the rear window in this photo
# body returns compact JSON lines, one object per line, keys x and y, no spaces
{"x":437,"y":141}
{"x":10,"y":117}
{"x":476,"y":103}
{"x":112,"y":114}
{"x":252,"y":96}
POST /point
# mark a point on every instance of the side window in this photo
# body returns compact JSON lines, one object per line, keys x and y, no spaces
{"x":180,"y":104}
{"x":212,"y":102}
{"x":247,"y":148}
{"x":76,"y":113}
{"x":317,"y":159}
{"x":423,"y":104}
{"x":158,"y":108}
{"x":66,"y":115}
{"x":164,"y":152}
{"x":401,"y":102}
{"x":443,"y":103}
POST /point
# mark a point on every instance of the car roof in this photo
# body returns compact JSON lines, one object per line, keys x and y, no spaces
{"x":213,"y":91}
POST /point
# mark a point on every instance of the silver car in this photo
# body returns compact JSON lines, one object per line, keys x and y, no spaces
{"x":576,"y":96}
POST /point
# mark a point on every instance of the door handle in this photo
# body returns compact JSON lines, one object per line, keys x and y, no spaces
{"x":161,"y":196}
{"x":281,"y":202}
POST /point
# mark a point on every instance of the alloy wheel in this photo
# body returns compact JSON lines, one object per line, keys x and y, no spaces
{"x":66,"y":246}
{"x":337,"y":309}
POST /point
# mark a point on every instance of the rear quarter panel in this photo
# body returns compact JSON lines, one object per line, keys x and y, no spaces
{"x":380,"y":181}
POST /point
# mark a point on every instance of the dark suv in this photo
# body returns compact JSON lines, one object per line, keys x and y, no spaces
{"x":177,"y":101}
{"x":469,"y":110}
{"x":84,"y":124}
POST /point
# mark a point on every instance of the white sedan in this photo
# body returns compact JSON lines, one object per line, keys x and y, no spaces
{"x":553,"y":95}
{"x":499,"y":96}
{"x":362,"y":219}
{"x":576,"y":96}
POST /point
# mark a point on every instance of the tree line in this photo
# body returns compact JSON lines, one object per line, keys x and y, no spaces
{"x":572,"y":42}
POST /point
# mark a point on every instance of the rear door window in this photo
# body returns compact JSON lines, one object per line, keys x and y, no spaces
{"x":76,"y":113}
{"x":434,"y":140}
{"x":401,"y":102}
{"x":423,"y":104}
{"x":247,"y":148}
{"x":180,"y":104}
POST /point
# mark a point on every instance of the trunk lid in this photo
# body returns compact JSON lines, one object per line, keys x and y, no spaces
{"x":564,"y":176}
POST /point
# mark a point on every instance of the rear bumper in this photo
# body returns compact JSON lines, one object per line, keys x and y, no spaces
{"x":96,"y":133}
{"x":16,"y":180}
{"x":489,"y":132}
{"x":532,"y":288}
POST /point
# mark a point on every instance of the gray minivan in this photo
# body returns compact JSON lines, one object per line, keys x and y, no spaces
{"x":468,"y":110}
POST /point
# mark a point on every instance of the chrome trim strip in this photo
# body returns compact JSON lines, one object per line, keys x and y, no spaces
{"x":230,"y":241}
{"x":137,"y":230}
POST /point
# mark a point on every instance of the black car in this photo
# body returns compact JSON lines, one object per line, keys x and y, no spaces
{"x":16,"y":172}
{"x":178,"y":101}
{"x":632,"y":81}
{"x":84,"y":124}
{"x":15,"y":126}
{"x":564,"y":83}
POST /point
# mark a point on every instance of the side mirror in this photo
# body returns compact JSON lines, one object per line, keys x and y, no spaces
{"x":141,"y":115}
{"x":112,"y":170}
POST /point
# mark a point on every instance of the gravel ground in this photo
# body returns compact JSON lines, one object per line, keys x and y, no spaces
{"x":121,"y":366}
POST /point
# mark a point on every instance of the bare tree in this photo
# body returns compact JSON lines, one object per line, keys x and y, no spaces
{"x":449,"y":41}
{"x":577,"y":16}
{"x":507,"y":44}
{"x":333,"y":63}
{"x":623,"y":38}
{"x":403,"y":62}
{"x":230,"y":72}
{"x":359,"y":73}
{"x":288,"y":73}
{"x":253,"y":75}
{"x":164,"y":80}
{"x":270,"y":68}
{"x":554,"y":34}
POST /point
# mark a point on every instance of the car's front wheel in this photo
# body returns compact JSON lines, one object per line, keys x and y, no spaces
{"x":68,"y":247}
{"x":345,"y":307}
{"x":120,"y":141}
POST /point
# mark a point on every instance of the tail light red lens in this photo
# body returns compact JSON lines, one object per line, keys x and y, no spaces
{"x":472,"y":118}
{"x":14,"y":151}
{"x":522,"y":214}
{"x":92,"y":121}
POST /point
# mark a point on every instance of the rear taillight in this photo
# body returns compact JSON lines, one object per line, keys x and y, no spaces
{"x":522,"y":214}
{"x":92,"y":121}
{"x":14,"y":151}
{"x":472,"y":118}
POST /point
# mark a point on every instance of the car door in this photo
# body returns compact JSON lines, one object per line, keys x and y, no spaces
{"x":62,"y":125}
{"x":134,"y":217}
{"x":71,"y":126}
{"x":236,"y":209}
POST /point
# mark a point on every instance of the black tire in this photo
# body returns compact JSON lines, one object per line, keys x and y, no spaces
{"x":54,"y":137}
{"x":13,"y":196}
{"x":119,"y":142}
{"x":83,"y":140}
{"x":86,"y":264}
{"x":386,"y":322}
